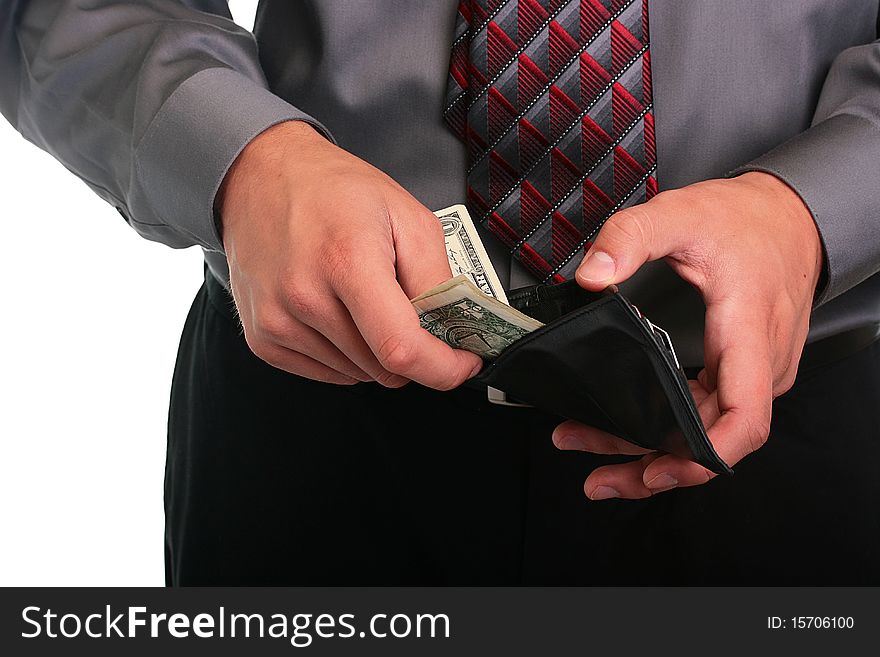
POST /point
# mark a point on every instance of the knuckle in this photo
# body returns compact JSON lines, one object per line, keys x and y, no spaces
{"x":339,"y":258}
{"x":778,"y":326}
{"x":631,"y":225}
{"x":786,"y":382}
{"x":447,"y":383}
{"x":260,"y":348}
{"x":302,"y":301}
{"x":397,"y":354}
{"x":671,"y":196}
{"x":273,"y":323}
{"x":327,"y":375}
{"x":455,"y":378}
{"x":757,"y":430}
{"x":390,"y":380}
{"x":343,"y":275}
{"x":431,"y":228}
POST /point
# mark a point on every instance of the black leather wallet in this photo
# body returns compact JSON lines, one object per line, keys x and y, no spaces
{"x":597,"y":360}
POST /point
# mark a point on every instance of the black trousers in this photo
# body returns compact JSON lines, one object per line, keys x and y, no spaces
{"x":275,"y":479}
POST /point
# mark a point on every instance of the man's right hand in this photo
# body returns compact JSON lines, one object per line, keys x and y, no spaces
{"x":324,"y":253}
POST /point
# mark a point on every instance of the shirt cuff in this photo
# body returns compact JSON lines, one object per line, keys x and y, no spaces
{"x":832,"y":167}
{"x":194,"y":139}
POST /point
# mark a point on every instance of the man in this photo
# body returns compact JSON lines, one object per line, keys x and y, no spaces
{"x":334,"y":441}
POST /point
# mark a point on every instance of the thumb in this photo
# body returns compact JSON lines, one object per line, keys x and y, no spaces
{"x":626,"y":241}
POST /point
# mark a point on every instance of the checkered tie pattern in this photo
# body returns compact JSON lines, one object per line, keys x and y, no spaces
{"x":553,"y":101}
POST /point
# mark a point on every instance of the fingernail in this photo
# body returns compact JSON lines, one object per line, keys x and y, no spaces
{"x":569,"y":442}
{"x":476,"y":370}
{"x":604,"y":493}
{"x":597,"y":267}
{"x":661,"y":482}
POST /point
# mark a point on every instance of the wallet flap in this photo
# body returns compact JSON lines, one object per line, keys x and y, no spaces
{"x":603,"y":365}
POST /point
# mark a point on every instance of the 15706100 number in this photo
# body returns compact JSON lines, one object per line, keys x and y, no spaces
{"x":810,"y":623}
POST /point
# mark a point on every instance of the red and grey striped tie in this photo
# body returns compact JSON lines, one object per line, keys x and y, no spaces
{"x":553,"y":100}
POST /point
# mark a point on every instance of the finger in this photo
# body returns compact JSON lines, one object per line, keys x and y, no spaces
{"x":745,"y":394}
{"x":571,"y":435}
{"x":301,"y":365}
{"x":574,"y":436}
{"x":708,"y":409}
{"x":704,"y":380}
{"x":784,"y":381}
{"x":305,"y":340}
{"x":422,"y":262}
{"x":744,"y":400}
{"x":630,"y":238}
{"x":335,"y":324}
{"x":388,"y":322}
{"x":273,"y":335}
{"x":721,"y":319}
{"x":670,"y":471}
{"x":622,"y":480}
{"x":631,"y":482}
{"x":698,"y":390}
{"x":729,"y":323}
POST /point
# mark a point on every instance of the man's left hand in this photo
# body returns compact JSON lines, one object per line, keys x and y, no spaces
{"x":751,"y":248}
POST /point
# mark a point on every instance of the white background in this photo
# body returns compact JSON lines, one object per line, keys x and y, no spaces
{"x":90,"y":319}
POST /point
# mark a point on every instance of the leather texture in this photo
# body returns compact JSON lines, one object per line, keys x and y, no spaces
{"x":598,"y":361}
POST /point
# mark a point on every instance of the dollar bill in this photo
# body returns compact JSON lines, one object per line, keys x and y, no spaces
{"x":466,"y":253}
{"x":470,"y":311}
{"x":465,"y":317}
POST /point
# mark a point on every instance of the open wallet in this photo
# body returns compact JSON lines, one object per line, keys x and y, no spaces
{"x":599,"y":361}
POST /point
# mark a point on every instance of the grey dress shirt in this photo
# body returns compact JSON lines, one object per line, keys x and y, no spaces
{"x":149,"y":102}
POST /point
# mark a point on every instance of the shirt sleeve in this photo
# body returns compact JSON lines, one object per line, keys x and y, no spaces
{"x":834,"y":168}
{"x":148,"y":102}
